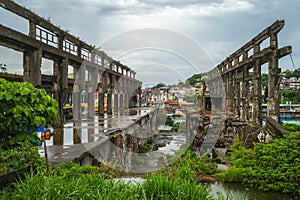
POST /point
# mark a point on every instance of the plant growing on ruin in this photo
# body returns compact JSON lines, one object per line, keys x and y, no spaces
{"x":23,"y":108}
{"x":273,"y":166}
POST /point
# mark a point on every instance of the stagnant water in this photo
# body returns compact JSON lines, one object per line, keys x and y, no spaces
{"x":239,"y":191}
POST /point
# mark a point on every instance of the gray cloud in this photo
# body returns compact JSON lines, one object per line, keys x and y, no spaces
{"x":219,"y":27}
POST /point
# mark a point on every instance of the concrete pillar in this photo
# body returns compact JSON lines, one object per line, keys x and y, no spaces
{"x":91,"y":104}
{"x":116,"y":102}
{"x":101,"y":103}
{"x":77,"y":135}
{"x":237,"y":94}
{"x":273,"y":81}
{"x":140,"y":100}
{"x":109,"y":101}
{"x":115,"y":92}
{"x":230,"y":92}
{"x":32,"y":29}
{"x":92,"y":76}
{"x":32,"y":61}
{"x":60,"y":71}
{"x":56,"y":86}
{"x":245,"y":94}
{"x":257,"y":89}
{"x":78,"y":87}
{"x":91,"y":135}
{"x":58,"y":136}
{"x":121,"y":97}
{"x":125,"y":92}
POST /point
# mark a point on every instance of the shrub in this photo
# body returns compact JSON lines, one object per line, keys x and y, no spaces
{"x":273,"y":166}
{"x":19,"y":157}
{"x":23,"y":108}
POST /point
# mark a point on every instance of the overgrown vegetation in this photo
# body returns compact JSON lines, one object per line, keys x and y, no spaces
{"x":163,"y":119}
{"x":274,"y":166}
{"x":23,"y":109}
{"x":292,"y":96}
{"x":295,"y":73}
{"x":70,"y":181}
{"x":188,"y":166}
{"x":21,"y":156}
{"x":195,"y":79}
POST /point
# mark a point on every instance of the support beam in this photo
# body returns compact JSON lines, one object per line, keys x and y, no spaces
{"x":257,"y":90}
{"x":273,"y":82}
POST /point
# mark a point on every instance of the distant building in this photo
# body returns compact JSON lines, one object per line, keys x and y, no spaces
{"x":292,"y":83}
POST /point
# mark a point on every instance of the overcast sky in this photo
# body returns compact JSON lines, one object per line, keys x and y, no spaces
{"x":167,"y":40}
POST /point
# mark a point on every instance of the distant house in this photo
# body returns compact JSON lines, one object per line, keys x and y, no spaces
{"x":292,"y":83}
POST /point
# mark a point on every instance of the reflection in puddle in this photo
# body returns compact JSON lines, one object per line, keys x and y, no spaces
{"x":91,"y":130}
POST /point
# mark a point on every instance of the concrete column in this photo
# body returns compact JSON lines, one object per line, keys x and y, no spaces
{"x":121,"y":97}
{"x":140,"y":96}
{"x":63,"y":70}
{"x":58,"y":136}
{"x":273,"y":81}
{"x":32,"y":29}
{"x":230,"y":92}
{"x":92,"y":79}
{"x":77,"y":89}
{"x":76,"y":104}
{"x":109,"y":101}
{"x":91,"y":103}
{"x":100,"y":97}
{"x":32,"y":61}
{"x":237,"y":94}
{"x":101,"y":104}
{"x":257,"y":89}
{"x":116,"y":102}
{"x":124,"y":91}
{"x":115,"y":92}
{"x":91,"y":135}
{"x":245,"y":94}
{"x":56,"y":86}
{"x":77,"y":135}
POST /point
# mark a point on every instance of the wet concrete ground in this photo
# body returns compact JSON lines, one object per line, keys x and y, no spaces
{"x":74,"y":140}
{"x":71,"y":141}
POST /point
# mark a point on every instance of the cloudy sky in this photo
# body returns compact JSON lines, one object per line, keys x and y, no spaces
{"x":167,"y":40}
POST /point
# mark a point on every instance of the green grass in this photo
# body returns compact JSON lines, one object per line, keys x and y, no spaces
{"x":231,"y":175}
{"x":71,"y":181}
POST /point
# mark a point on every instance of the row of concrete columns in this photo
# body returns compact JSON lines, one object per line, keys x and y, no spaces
{"x":241,"y":77}
{"x":117,"y":93}
{"x":110,"y":79}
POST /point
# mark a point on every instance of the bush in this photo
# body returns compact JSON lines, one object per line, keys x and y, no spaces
{"x":20,"y":157}
{"x":190,"y":163}
{"x":23,"y":108}
{"x":273,"y":166}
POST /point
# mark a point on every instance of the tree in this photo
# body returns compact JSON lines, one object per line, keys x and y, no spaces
{"x":295,"y":73}
{"x":264,"y":79}
{"x":23,"y":108}
{"x":196,"y":78}
{"x":159,"y":85}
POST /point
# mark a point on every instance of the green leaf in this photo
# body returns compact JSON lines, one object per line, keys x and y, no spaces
{"x":8,"y":96}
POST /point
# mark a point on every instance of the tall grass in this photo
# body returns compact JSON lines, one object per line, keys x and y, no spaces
{"x":74,"y":182}
{"x":231,"y":175}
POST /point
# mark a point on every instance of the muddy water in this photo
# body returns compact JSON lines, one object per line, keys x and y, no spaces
{"x":239,"y":191}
